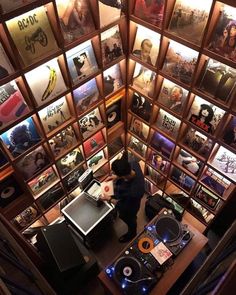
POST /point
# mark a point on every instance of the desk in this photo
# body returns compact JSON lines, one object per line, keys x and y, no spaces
{"x":171,"y":275}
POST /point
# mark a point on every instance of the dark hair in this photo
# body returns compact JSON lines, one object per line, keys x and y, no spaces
{"x":121,"y":167}
{"x":210,"y":116}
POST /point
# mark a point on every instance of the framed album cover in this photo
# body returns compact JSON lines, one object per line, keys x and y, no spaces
{"x":51,"y":196}
{"x":158,"y":162}
{"x":70,"y":161}
{"x":229,"y":136}
{"x":21,"y":137}
{"x":34,"y":40}
{"x":223,"y":39}
{"x":141,"y":106}
{"x":12,"y":104}
{"x":90,"y":123}
{"x":97,"y":161}
{"x":71,"y":181}
{"x":151,"y":11}
{"x":189,"y":19}
{"x":206,"y":197}
{"x":115,"y":146}
{"x":172,"y":96}
{"x":54,"y":114}
{"x":109,"y":11}
{"x":154,"y":175}
{"x":205,"y":115}
{"x":26,"y":217}
{"x":93,"y":144}
{"x":144,"y":80}
{"x":112,"y":79}
{"x":6,"y":67}
{"x":137,"y":146}
{"x":33,"y":162}
{"x":3,"y":159}
{"x":86,"y":95}
{"x":198,"y":142}
{"x":111,"y":45}
{"x":63,"y":141}
{"x":81,"y":62}
{"x":75,"y":18}
{"x":163,"y":145}
{"x":139,"y":128}
{"x":50,"y":85}
{"x":224,"y":161}
{"x":182,"y":179}
{"x":189,"y":162}
{"x":9,"y":5}
{"x":199,"y":211}
{"x":9,"y":190}
{"x":113,"y":113}
{"x":218,"y":80}
{"x":168,"y":123}
{"x":180,"y":62}
{"x":42,"y":181}
{"x":146,"y":45}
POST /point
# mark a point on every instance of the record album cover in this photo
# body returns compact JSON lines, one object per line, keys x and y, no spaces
{"x":26,"y":217}
{"x":163,"y":145}
{"x":151,"y":11}
{"x":112,"y":79}
{"x":111,"y":45}
{"x":51,"y":196}
{"x":96,"y":161}
{"x":9,"y":190}
{"x":161,"y":253}
{"x":12,"y":104}
{"x":6,"y":67}
{"x":50,"y":85}
{"x":180,"y":62}
{"x":199,"y":211}
{"x":33,"y":162}
{"x":158,"y":162}
{"x":71,"y":181}
{"x":21,"y":137}
{"x":109,"y":11}
{"x":141,"y":106}
{"x":113,"y":113}
{"x":229,"y":136}
{"x":182,"y":179}
{"x":146,"y":45}
{"x":173,"y":96}
{"x":205,"y":115}
{"x":168,"y":123}
{"x":139,"y":128}
{"x":9,"y":5}
{"x":75,"y":18}
{"x":63,"y":141}
{"x":223,"y":39}
{"x":90,"y":123}
{"x":207,"y":198}
{"x":32,"y":35}
{"x":189,"y":19}
{"x":154,"y":175}
{"x":137,"y":146}
{"x":81,"y":62}
{"x":86,"y":95}
{"x":54,"y":114}
{"x":189,"y":162}
{"x":115,"y":146}
{"x":93,"y":144}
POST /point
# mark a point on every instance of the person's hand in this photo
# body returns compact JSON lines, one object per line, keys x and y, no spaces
{"x":105,"y":197}
{"x":111,"y":177}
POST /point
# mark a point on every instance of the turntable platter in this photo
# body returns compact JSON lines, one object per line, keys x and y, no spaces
{"x":168,"y":229}
{"x":127,"y":267}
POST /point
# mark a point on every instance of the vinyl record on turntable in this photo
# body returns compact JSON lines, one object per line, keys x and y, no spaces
{"x":127,"y":268}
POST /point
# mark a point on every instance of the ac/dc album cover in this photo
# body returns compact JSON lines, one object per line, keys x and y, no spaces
{"x":112,"y":79}
{"x":113,"y":113}
{"x":115,"y":146}
{"x":144,"y":80}
{"x":71,"y":181}
{"x":21,"y":137}
{"x":51,"y":196}
{"x":207,"y":198}
{"x":9,"y":5}
{"x":215,"y":181}
{"x":154,"y":175}
{"x":205,"y":115}
{"x":199,"y":211}
{"x":90,"y":123}
{"x":12,"y":104}
{"x":93,"y":144}
{"x":229,"y":136}
{"x":218,"y":80}
{"x":158,"y":162}
{"x":3,"y":159}
{"x":26,"y":217}
{"x":9,"y":190}
{"x":168,"y":123}
{"x":42,"y":181}
{"x":81,"y":62}
{"x":86,"y":95}
{"x":182,"y":179}
{"x":32,"y":35}
{"x":139,"y":128}
{"x":75,"y":18}
{"x":173,"y":96}
{"x":137,"y":146}
{"x":224,"y":161}
{"x":151,"y":11}
{"x":223,"y":39}
{"x":6,"y":67}
{"x":198,"y":142}
{"x":33,"y":162}
{"x":96,"y":161}
{"x":70,"y":161}
{"x":146,"y":45}
{"x":189,"y":162}
{"x":141,"y":106}
{"x":189,"y":19}
{"x":180,"y":62}
{"x":109,"y":11}
{"x":50,"y":85}
{"x":111,"y":45}
{"x":54,"y":114}
{"x":63,"y":141}
{"x":163,"y":145}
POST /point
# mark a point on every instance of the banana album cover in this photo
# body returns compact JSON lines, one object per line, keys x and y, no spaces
{"x":50,"y":84}
{"x":6,"y":67}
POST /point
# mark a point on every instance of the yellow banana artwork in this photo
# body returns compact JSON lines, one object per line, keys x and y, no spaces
{"x":51,"y":83}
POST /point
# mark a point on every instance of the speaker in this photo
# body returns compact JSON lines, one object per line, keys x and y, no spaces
{"x":113,"y":114}
{"x":58,"y":246}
